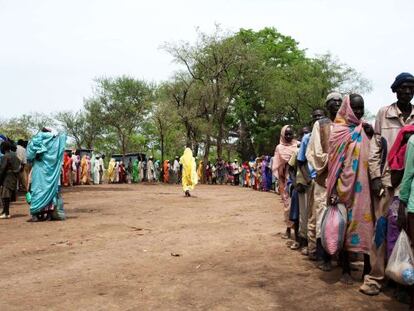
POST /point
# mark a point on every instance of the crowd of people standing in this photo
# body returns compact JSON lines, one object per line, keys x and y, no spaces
{"x":339,"y":160}
{"x":85,"y":170}
{"x":368,"y":170}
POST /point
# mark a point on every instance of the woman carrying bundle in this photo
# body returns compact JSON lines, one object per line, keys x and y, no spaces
{"x":348,"y":181}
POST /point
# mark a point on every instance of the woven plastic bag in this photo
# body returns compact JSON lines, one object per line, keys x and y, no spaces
{"x":400,"y":267}
{"x":333,"y":227}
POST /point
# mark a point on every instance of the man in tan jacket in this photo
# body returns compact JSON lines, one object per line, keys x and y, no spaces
{"x":389,"y":121}
{"x":317,"y":156}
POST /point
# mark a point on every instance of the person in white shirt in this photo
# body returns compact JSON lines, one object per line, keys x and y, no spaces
{"x":96,"y":171}
{"x":150,"y":170}
{"x":236,"y":172}
{"x":176,"y":170}
{"x":101,"y":168}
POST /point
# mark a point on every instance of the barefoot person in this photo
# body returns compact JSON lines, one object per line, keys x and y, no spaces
{"x":348,"y":181}
{"x":189,"y":174}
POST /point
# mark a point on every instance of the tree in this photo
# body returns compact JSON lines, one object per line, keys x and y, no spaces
{"x":241,"y":88}
{"x":283,"y":89}
{"x":74,"y":124}
{"x":215,"y":66}
{"x":25,"y":126}
{"x":94,"y":127}
{"x":15,"y":129}
{"x":125,"y":102}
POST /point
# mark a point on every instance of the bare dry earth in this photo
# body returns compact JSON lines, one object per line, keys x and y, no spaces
{"x":114,"y":252}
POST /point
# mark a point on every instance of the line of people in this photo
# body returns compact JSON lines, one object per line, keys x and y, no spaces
{"x":85,"y":170}
{"x":88,"y":170}
{"x":255,"y":174}
{"x":344,"y":161}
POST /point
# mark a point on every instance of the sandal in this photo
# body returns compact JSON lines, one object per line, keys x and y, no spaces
{"x":295,"y":246}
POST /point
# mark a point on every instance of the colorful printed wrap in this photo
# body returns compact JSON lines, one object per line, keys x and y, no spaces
{"x":46,"y":152}
{"x":348,"y":175}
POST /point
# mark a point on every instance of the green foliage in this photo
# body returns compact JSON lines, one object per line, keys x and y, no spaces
{"x":94,"y":128}
{"x":232,"y":96}
{"x":124,"y":102}
{"x":74,"y":125}
{"x":25,"y":126}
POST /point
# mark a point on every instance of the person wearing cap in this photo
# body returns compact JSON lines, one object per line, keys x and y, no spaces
{"x":317,"y":156}
{"x":389,"y":120}
{"x":236,"y":172}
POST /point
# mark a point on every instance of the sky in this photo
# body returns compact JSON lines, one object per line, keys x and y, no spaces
{"x":52,"y":50}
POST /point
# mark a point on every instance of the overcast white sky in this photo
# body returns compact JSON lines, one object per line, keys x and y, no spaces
{"x":51,"y":50}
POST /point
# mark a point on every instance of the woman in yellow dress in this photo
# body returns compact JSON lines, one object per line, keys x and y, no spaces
{"x":111,"y":171}
{"x":189,"y":174}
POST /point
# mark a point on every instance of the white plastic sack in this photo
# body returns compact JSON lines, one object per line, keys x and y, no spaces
{"x":400,"y":267}
{"x":333,"y":228}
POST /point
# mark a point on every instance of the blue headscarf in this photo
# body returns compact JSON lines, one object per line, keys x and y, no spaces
{"x":400,"y":79}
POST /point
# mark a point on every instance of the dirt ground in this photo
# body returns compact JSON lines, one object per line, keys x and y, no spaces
{"x":116,"y":252}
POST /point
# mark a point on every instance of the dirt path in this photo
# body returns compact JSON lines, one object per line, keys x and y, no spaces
{"x":115,"y":253}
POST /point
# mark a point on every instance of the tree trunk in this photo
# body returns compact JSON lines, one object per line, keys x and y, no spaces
{"x":245,"y":146}
{"x":205,"y":158}
{"x":123,"y":140}
{"x":220,"y":141}
{"x":196,"y":147}
{"x":162,"y":149}
{"x":78,"y":143}
{"x":189,"y":136}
